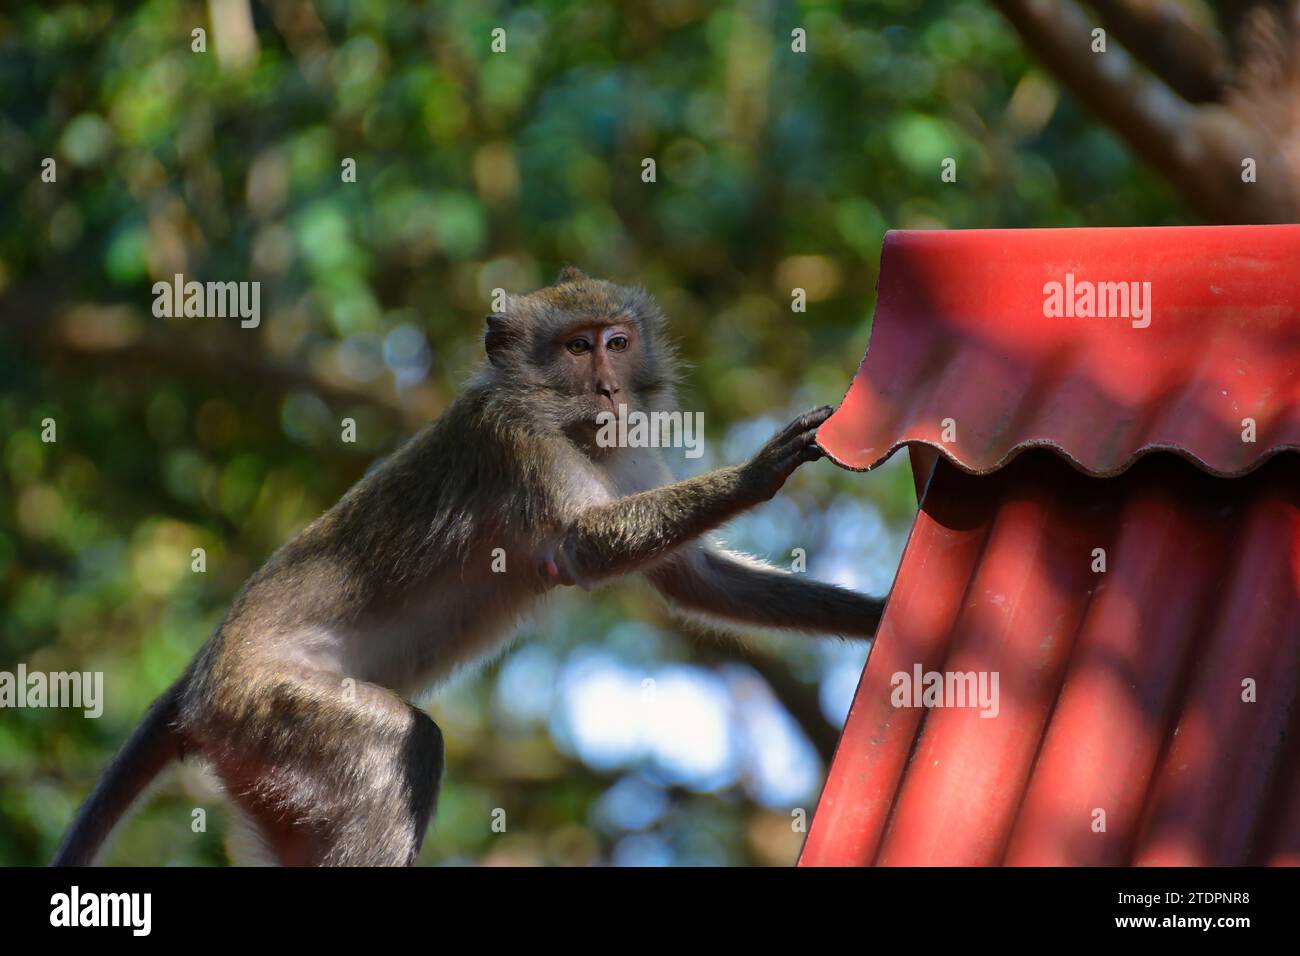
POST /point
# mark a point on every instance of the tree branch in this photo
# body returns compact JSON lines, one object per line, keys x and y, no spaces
{"x":118,"y":336}
{"x":1199,"y":150}
{"x":1163,"y":37}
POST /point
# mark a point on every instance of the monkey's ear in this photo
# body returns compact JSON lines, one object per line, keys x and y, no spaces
{"x":571,"y":274}
{"x":498,"y":337}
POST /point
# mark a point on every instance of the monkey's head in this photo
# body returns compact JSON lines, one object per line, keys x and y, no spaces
{"x":581,"y":347}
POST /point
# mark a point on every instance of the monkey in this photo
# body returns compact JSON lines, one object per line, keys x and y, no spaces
{"x":300,"y":699}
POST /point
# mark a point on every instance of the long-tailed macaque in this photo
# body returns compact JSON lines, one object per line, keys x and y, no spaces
{"x":299,"y":700}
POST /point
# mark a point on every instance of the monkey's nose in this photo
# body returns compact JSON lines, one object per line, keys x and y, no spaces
{"x":609,"y":391}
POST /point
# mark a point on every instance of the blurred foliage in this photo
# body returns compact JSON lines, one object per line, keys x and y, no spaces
{"x":475,"y":170}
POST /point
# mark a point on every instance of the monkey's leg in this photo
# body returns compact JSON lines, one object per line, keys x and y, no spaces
{"x":334,"y":773}
{"x":708,"y":580}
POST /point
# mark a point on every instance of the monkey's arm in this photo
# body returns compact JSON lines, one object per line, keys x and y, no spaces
{"x":628,"y":533}
{"x":707,"y":580}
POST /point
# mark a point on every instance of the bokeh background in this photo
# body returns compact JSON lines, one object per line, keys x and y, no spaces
{"x":610,"y":733}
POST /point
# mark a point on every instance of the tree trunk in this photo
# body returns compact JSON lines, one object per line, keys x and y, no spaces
{"x":1214,"y":108}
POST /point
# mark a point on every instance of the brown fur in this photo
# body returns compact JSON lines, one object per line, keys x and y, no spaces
{"x":300,"y":699}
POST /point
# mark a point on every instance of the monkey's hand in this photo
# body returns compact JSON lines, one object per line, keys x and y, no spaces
{"x":765,"y":473}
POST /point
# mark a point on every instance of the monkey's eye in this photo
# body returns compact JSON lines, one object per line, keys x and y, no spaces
{"x":618,"y":343}
{"x":578,"y":346}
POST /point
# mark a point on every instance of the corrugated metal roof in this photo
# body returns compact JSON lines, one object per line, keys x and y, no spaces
{"x":1122,"y":734}
{"x":960,"y":333}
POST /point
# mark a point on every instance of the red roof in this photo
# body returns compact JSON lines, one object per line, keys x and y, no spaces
{"x":1122,"y":734}
{"x":960,"y":333}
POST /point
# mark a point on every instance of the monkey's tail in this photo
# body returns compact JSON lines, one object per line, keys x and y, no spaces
{"x":153,"y":745}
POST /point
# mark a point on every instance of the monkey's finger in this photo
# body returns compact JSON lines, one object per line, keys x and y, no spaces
{"x":799,"y":442}
{"x":796,"y":457}
{"x":818,"y":415}
{"x":805,"y":421}
{"x":788,"y":449}
{"x":801,"y":455}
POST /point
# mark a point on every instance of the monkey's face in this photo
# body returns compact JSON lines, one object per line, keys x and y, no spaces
{"x":581,"y":349}
{"x":598,"y":362}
